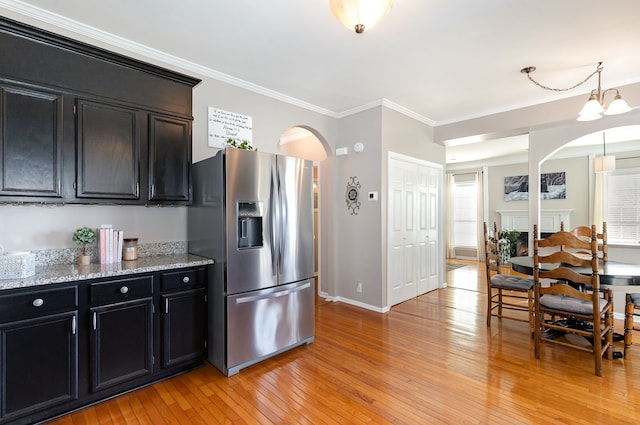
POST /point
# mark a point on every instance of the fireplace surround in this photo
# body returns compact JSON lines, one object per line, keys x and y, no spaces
{"x":519,"y":220}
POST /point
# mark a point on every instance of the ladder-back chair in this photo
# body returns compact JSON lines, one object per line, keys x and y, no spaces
{"x":563,"y":301}
{"x":505,"y":292}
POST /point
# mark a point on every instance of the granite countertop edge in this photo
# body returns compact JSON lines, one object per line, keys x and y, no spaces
{"x":62,"y":273}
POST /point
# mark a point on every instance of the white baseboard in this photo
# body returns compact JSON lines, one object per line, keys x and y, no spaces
{"x":354,"y":303}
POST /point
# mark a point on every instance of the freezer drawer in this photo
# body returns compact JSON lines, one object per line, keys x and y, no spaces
{"x":266,"y":322}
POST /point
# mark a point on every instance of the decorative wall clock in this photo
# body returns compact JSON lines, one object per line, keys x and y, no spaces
{"x":352,"y":195}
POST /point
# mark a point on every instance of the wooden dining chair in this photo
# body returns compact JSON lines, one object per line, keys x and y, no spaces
{"x":584,"y":232}
{"x":586,"y":313}
{"x":505,"y":292}
{"x":631,"y":310}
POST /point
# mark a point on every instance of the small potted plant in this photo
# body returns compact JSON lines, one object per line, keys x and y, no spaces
{"x":84,"y":236}
{"x":240,"y":144}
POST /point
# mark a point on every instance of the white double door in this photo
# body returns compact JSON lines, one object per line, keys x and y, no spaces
{"x":414,"y":254}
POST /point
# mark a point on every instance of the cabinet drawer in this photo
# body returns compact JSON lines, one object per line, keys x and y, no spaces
{"x":183,"y":279}
{"x":35,"y":303}
{"x":121,"y":290}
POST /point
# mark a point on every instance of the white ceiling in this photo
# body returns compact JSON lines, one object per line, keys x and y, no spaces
{"x":442,"y":60}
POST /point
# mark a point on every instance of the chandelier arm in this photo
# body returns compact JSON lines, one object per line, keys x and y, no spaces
{"x":567,"y":89}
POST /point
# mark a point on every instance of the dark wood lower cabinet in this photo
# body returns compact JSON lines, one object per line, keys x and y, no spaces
{"x":67,"y":345}
{"x":39,"y":363}
{"x":181,"y":343}
{"x":121,"y":342}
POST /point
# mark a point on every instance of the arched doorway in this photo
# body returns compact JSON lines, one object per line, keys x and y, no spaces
{"x":304,"y":142}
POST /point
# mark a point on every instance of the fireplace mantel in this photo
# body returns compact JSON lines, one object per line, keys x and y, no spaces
{"x":549,"y":220}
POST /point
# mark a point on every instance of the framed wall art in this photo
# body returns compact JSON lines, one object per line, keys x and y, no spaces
{"x":552,"y":186}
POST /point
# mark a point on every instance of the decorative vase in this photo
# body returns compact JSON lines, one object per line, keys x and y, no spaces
{"x":505,"y":251}
{"x":83,"y":260}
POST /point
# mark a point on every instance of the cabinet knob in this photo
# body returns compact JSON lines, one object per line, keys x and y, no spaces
{"x":124,"y":290}
{"x":185,"y":279}
{"x":38,"y":302}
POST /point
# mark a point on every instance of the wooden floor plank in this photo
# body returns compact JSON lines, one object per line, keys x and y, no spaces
{"x":430,"y":360}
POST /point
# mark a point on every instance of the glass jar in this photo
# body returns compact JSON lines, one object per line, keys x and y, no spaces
{"x":130,"y":249}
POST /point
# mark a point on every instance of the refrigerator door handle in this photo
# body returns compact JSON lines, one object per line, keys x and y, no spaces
{"x":277,"y":294}
{"x":274,"y":213}
{"x":282,"y":219}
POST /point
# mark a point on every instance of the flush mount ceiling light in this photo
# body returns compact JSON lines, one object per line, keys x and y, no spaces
{"x":359,"y":15}
{"x":594,"y":108}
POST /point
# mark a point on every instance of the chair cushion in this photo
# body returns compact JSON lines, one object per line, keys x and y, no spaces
{"x":635,"y":299}
{"x":569,"y":304}
{"x":506,"y":281}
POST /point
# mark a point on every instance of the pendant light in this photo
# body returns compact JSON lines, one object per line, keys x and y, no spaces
{"x":604,"y":163}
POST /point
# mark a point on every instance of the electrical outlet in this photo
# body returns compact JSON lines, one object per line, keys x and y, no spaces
{"x":359,"y":287}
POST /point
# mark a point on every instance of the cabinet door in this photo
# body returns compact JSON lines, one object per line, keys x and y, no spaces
{"x":30,"y":142}
{"x":121,"y":342}
{"x":108,"y":158}
{"x":183,"y":327}
{"x":39,"y":363}
{"x":169,"y":158}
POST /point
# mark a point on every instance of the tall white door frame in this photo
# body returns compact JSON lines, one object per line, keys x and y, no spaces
{"x":415,"y":234}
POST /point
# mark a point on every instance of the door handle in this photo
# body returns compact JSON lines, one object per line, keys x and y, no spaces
{"x":277,"y":294}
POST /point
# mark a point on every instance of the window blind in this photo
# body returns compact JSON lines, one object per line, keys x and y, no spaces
{"x":623,"y":208}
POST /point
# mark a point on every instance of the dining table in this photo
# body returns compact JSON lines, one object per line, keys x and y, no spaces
{"x":614,"y":273}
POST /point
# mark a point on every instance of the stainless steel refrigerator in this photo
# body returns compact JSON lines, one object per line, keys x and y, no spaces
{"x":252,"y":213}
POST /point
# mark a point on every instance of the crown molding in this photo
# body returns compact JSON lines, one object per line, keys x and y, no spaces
{"x":387,"y":104}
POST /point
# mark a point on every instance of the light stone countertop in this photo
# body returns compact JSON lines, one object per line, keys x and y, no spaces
{"x":60,"y":273}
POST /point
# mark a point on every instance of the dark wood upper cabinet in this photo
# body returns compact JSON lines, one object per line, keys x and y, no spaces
{"x":169,"y":158}
{"x":128,"y":142}
{"x":30,"y":142}
{"x":108,"y":154}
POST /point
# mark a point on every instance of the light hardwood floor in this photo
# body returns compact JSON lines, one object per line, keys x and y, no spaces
{"x":430,"y":360}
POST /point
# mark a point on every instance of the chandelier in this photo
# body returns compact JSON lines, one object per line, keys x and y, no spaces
{"x":359,"y":15}
{"x":594,"y":108}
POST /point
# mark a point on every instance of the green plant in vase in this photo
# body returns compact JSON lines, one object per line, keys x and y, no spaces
{"x":84,"y":236}
{"x":242,"y":144}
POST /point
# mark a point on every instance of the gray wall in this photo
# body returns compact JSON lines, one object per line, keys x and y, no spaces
{"x":42,"y":227}
{"x":359,"y":244}
{"x":358,"y":239}
{"x":577,"y":179}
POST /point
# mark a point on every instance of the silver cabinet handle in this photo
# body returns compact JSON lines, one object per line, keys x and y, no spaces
{"x":185,"y":279}
{"x":38,"y":302}
{"x":124,"y":290}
